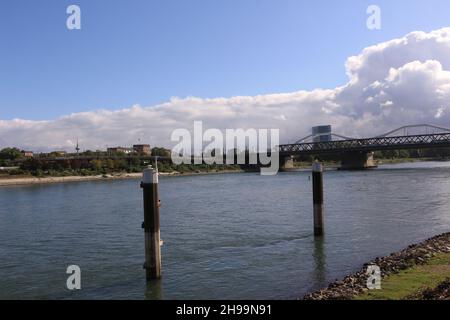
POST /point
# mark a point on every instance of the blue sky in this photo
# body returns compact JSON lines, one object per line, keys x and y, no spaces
{"x":144,"y":52}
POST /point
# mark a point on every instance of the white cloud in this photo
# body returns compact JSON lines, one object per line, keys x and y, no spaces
{"x":403,"y":81}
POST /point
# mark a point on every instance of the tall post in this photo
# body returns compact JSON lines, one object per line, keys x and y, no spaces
{"x":317,"y":182}
{"x":151,"y":225}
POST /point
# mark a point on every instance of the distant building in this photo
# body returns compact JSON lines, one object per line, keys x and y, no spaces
{"x":321,"y":133}
{"x":120,"y":150}
{"x":142,"y":149}
{"x":27,"y":154}
{"x":59,"y":153}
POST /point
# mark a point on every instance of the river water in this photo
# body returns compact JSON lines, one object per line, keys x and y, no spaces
{"x":229,"y":236}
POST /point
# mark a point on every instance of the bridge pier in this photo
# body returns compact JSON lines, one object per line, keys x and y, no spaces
{"x":287,"y":163}
{"x":357,"y":161}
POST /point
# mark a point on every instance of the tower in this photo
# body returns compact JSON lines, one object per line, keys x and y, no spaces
{"x":77,"y":148}
{"x":321,"y":133}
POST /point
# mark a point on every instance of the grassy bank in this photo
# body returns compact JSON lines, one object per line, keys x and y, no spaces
{"x":413,"y":283}
{"x":420,"y":271}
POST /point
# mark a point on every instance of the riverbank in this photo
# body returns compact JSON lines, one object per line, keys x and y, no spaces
{"x":421,"y":271}
{"x":335,"y":164}
{"x":406,"y":160}
{"x":30,"y":180}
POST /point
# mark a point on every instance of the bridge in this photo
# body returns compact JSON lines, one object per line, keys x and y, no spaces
{"x":358,"y":153}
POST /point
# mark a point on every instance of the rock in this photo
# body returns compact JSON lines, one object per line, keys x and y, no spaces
{"x":355,"y":284}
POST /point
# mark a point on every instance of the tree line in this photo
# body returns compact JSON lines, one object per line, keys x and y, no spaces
{"x":37,"y":166}
{"x":96,"y":163}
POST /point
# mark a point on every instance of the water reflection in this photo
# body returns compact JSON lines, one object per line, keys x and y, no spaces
{"x":319,"y":260}
{"x":241,"y":230}
{"x":154,"y":290}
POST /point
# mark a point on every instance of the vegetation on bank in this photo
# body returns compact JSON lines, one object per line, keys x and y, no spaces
{"x":383,"y":157}
{"x":95,"y":163}
{"x":9,"y":156}
{"x":417,"y":282}
{"x":103,"y":164}
{"x":391,"y":156}
{"x":40,"y":168}
{"x":418,"y":271}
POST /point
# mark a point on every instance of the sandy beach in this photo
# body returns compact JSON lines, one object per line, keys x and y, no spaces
{"x":17,"y":180}
{"x":14,"y":181}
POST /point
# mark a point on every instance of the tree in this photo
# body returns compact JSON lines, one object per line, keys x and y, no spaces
{"x":10,"y":154}
{"x":403,"y":154}
{"x":97,"y":164}
{"x":160,"y":152}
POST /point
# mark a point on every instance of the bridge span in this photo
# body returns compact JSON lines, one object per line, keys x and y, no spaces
{"x":358,"y":153}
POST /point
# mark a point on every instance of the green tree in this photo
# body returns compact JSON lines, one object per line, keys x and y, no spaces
{"x":97,"y":164}
{"x":10,"y":154}
{"x":403,"y":154}
{"x":160,"y":152}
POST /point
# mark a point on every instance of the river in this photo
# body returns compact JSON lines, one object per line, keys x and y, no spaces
{"x":227,"y":236}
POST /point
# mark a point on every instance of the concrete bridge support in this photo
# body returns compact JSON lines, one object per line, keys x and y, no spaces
{"x":287,"y":163}
{"x":357,"y":161}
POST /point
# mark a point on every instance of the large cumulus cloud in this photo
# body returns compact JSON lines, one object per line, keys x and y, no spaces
{"x":403,"y":81}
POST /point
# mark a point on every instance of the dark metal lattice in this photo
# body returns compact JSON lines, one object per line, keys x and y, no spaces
{"x":441,"y":140}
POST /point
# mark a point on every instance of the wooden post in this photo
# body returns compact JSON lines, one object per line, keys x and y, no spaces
{"x":151,"y":225}
{"x":317,"y":177}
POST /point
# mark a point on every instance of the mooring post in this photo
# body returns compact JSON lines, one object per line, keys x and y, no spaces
{"x":317,"y":183}
{"x":151,"y":225}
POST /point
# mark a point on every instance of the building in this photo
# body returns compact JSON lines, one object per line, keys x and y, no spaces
{"x":27,"y":154}
{"x":142,"y":149}
{"x":321,"y":133}
{"x":59,"y":153}
{"x":120,"y":150}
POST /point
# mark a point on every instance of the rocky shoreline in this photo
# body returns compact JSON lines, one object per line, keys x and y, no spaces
{"x":355,"y":284}
{"x":441,"y":292}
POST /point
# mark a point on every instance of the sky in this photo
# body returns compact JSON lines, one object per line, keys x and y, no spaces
{"x":166,"y":61}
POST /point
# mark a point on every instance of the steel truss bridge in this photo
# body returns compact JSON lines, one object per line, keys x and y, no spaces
{"x":407,"y":137}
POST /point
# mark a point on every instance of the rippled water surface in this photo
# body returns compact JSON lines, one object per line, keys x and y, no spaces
{"x":225,"y":236}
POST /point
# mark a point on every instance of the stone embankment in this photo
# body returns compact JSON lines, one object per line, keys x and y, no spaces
{"x":417,"y":254}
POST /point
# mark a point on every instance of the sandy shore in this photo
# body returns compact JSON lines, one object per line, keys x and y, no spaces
{"x":46,"y":180}
{"x":17,"y":181}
